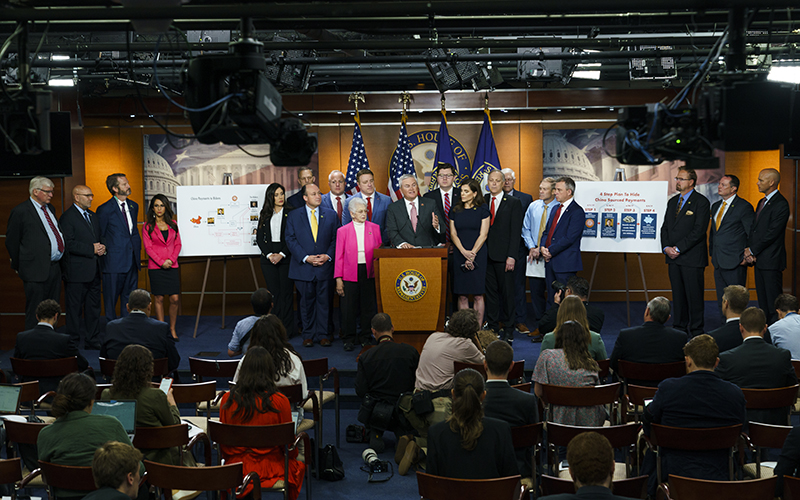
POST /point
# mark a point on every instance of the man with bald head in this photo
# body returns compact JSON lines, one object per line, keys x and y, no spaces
{"x":767,"y":249}
{"x":335,"y":198}
{"x":81,"y":268}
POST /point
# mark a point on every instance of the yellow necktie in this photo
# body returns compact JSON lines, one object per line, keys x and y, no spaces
{"x":314,"y":226}
{"x":542,"y":225}
{"x":719,"y":215}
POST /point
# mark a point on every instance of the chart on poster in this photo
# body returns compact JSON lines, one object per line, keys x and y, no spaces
{"x":622,"y":216}
{"x":219,"y":220}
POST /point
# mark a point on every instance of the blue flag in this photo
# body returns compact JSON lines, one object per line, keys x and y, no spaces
{"x":444,"y":154}
{"x":358,"y":160}
{"x":486,"y":158}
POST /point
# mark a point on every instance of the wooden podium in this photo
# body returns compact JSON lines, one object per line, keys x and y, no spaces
{"x":411,"y":288}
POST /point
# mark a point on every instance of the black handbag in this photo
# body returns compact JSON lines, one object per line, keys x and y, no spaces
{"x":331,"y":464}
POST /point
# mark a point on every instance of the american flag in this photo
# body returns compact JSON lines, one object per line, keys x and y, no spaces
{"x":358,"y":160}
{"x":401,"y":164}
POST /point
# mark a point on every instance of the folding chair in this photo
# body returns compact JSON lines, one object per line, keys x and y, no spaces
{"x":620,"y":436}
{"x":223,"y":478}
{"x":170,"y":436}
{"x":633,"y":487}
{"x":761,"y":436}
{"x":694,"y":439}
{"x":766,"y":399}
{"x":685,"y":488}
{"x":160,"y":367}
{"x":319,"y":368}
{"x":445,"y":488}
{"x":529,"y":437}
{"x":66,"y":477}
{"x":196,"y":394}
{"x":580,"y":396}
{"x":212,"y":368}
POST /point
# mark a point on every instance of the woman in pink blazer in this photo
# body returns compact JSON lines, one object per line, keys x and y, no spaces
{"x":355,"y":277}
{"x":163,"y":244}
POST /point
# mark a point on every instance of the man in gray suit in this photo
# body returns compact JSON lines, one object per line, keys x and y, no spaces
{"x":731,"y":218}
{"x":413,"y":221}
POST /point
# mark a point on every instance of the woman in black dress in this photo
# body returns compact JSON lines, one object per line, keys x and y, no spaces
{"x":275,"y":255}
{"x":163,"y":244}
{"x":469,"y":227}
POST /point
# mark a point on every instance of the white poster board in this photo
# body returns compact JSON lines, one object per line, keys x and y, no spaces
{"x":622,"y":216}
{"x":219,"y":220}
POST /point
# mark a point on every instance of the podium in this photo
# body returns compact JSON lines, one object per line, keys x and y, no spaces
{"x":411,"y":286}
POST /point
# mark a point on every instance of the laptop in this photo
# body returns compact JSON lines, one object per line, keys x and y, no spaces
{"x":122,"y":409}
{"x":9,"y":402}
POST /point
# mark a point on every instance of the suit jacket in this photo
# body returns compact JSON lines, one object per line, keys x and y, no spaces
{"x":523,"y":198}
{"x":758,"y":365}
{"x":518,"y":408}
{"x":565,"y":247}
{"x":329,"y":201}
{"x":138,"y":328}
{"x":42,"y":342}
{"x":687,"y":231}
{"x":587,"y":493}
{"x":727,"y":336}
{"x":767,"y":234}
{"x":398,"y":225}
{"x":301,"y":243}
{"x":27,"y":242}
{"x":80,"y":264}
{"x":296,"y":200}
{"x":346,"y":261}
{"x":123,"y":247}
{"x":506,"y":232}
{"x":436,"y":195}
{"x":650,"y":342}
{"x":789,"y":460}
{"x":264,"y":237}
{"x":726,"y":245}
{"x":158,"y":250}
{"x":380,"y":204}
{"x":493,"y":456}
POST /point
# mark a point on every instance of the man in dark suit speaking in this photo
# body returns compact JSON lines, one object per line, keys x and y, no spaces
{"x":731,"y":219}
{"x":81,"y":268}
{"x":683,"y":240}
{"x":35,"y":245}
{"x":413,"y":221}
{"x":561,"y":247}
{"x":139,"y":328}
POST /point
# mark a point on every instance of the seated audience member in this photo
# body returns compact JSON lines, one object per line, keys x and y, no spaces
{"x":132,"y":375}
{"x":579,"y":287}
{"x":573,"y":309}
{"x":261,"y":300}
{"x":570,"y":364}
{"x":591,"y":466}
{"x":76,"y":434}
{"x":789,"y":460}
{"x":43,"y":342}
{"x":758,"y":365}
{"x":115,"y":468}
{"x":469,"y":445}
{"x":504,"y":402}
{"x":139,"y":328}
{"x":734,"y":300}
{"x":652,"y":342}
{"x":255,"y":400}
{"x":434,"y":379}
{"x":699,"y":399}
{"x":384,"y":373}
{"x":269,"y":333}
{"x":786,"y":331}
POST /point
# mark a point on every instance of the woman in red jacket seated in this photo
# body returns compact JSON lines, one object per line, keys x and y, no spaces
{"x":255,"y":401}
{"x":163,"y":244}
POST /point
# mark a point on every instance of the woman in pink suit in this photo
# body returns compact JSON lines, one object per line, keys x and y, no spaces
{"x":163,"y":244}
{"x":355,"y":277}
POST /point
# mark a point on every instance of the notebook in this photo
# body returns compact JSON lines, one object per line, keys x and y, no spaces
{"x":122,"y":410}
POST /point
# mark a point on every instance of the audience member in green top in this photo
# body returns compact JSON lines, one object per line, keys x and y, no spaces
{"x":572,"y":309}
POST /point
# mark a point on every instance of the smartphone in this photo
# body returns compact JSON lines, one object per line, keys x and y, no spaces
{"x":166,"y":383}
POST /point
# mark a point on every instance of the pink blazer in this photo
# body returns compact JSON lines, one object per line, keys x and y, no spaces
{"x":346,"y":261}
{"x":158,"y":250}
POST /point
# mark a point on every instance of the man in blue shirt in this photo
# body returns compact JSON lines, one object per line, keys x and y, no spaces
{"x":261,"y":300}
{"x":785,"y":332}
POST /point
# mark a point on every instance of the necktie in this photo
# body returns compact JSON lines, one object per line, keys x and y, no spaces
{"x":314,"y":226}
{"x":553,"y":227}
{"x":542,"y":225}
{"x":86,"y":216}
{"x":59,"y":241}
{"x":761,"y":204}
{"x":339,"y":207}
{"x":447,"y":216}
{"x":680,"y":204}
{"x":369,"y":208}
{"x":124,"y":207}
{"x":491,"y":209}
{"x":414,"y":217}
{"x":719,"y":215}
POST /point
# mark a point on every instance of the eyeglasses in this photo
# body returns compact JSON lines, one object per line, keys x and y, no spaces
{"x":681,"y":179}
{"x":48,"y":191}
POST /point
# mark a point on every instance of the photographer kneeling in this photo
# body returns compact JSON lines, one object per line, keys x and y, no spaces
{"x":575,"y":286}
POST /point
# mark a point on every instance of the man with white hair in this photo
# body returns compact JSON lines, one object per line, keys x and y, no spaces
{"x":35,"y":245}
{"x":335,"y":198}
{"x":520,"y":299}
{"x":414,"y":221}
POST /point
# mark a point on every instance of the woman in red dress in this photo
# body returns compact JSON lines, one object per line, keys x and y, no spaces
{"x":255,"y":401}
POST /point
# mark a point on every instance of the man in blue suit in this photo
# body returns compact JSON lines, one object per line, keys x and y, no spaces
{"x":336,"y":198}
{"x":562,"y":242}
{"x":377,"y":203}
{"x":118,"y":218}
{"x":311,"y":237}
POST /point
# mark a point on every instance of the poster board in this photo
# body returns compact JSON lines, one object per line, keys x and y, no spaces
{"x":219,"y":220}
{"x":622,"y":216}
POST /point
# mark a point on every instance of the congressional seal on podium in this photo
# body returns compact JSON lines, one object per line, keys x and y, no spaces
{"x":411,"y":285}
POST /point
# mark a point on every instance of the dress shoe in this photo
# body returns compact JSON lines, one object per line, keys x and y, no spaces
{"x":510,"y":337}
{"x":347,"y":346}
{"x":400,"y":450}
{"x":521,"y":328}
{"x":410,"y":458}
{"x":325,"y":342}
{"x":308,"y":343}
